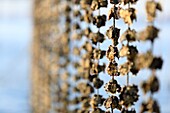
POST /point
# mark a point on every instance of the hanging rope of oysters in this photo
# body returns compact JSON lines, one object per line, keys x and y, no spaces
{"x":97,"y":54}
{"x":84,"y":87}
{"x":112,"y":87}
{"x":76,"y":39}
{"x":128,"y":94}
{"x":63,"y":51}
{"x":148,"y":60}
{"x":43,"y":61}
{"x":88,"y":56}
{"x":55,"y":56}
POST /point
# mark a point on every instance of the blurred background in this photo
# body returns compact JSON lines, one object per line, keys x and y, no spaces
{"x":15,"y":42}
{"x":16,"y":27}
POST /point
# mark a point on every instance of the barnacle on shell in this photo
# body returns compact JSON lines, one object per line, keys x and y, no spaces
{"x":87,"y":46}
{"x":156,"y":63}
{"x":128,"y":15}
{"x":151,"y":8}
{"x":129,"y":95}
{"x":98,"y":54}
{"x":150,"y":106}
{"x":125,"y":68}
{"x":152,"y":85}
{"x":85,"y":88}
{"x":114,"y":12}
{"x":96,"y":37}
{"x":97,"y":83}
{"x":99,"y":21}
{"x":112,"y":87}
{"x":112,"y":69}
{"x":112,"y":102}
{"x":87,"y":17}
{"x":112,"y":52}
{"x":85,"y":3}
{"x":143,"y":60}
{"x":113,"y":33}
{"x":97,"y":100}
{"x":96,"y":68}
{"x":129,"y":35}
{"x":129,"y":51}
{"x":150,"y":33}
